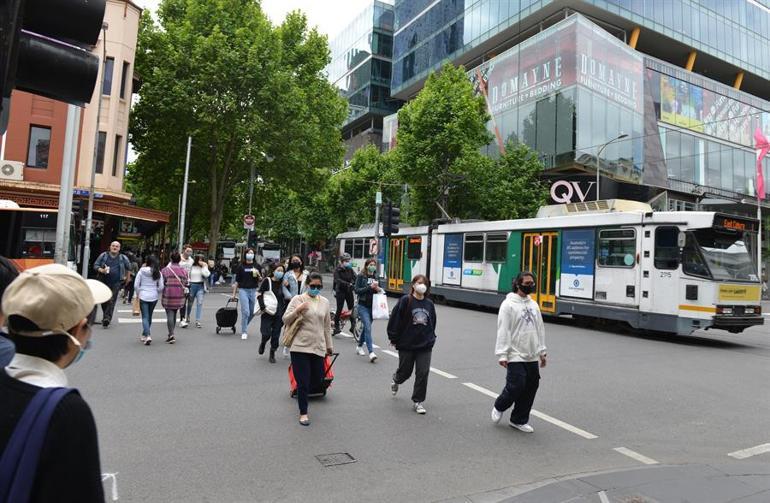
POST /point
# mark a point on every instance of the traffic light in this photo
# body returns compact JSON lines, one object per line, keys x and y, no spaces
{"x":45,"y":49}
{"x":392,"y":219}
{"x":252,"y":239}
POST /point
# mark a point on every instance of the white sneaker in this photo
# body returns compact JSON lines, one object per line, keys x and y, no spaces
{"x":393,"y":387}
{"x":285,"y":352}
{"x":496,"y":415}
{"x":418,"y":408}
{"x":522,"y":427}
{"x":244,"y":336}
{"x":142,"y":338}
{"x":184,"y":323}
{"x":360,"y":350}
{"x":372,"y":357}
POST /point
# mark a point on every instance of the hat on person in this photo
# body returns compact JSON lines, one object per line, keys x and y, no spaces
{"x":345,"y":256}
{"x":53,"y":297}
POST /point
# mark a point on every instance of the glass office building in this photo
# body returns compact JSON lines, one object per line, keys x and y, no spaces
{"x":361,"y":69}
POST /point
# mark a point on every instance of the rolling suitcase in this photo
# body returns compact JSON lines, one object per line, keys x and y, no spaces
{"x":227,"y":316}
{"x":319,"y":390}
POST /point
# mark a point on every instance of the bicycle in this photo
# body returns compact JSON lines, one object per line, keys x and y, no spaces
{"x":356,"y":325}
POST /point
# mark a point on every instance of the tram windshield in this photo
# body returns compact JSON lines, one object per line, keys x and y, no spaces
{"x":729,"y":255}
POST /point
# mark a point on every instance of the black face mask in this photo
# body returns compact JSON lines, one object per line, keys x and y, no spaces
{"x":296,"y":265}
{"x":527,"y":289}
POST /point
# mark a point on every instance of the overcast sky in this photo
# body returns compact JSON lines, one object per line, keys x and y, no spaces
{"x":330,"y":16}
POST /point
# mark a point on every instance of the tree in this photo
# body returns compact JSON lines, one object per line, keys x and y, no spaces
{"x":440,"y":136}
{"x":220,"y":72}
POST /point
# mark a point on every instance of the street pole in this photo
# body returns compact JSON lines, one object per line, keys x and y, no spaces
{"x":378,"y":205}
{"x":184,"y":194}
{"x":598,"y":154}
{"x":64,"y":216}
{"x":759,"y":238}
{"x":90,"y":217}
{"x":178,"y":216}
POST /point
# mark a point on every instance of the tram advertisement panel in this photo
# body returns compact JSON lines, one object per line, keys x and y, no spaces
{"x":577,"y":263}
{"x":453,"y":258}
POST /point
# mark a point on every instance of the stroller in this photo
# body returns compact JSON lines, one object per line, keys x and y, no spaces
{"x":320,"y":390}
{"x":227,"y":316}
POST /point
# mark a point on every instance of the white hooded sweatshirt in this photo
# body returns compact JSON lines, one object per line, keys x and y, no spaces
{"x":520,"y":330}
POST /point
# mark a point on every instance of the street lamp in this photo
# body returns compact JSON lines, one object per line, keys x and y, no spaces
{"x":598,"y":169}
{"x":180,"y":217}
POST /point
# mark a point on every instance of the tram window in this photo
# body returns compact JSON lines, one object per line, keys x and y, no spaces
{"x":358,"y":249}
{"x":413,"y":250}
{"x":38,"y":243}
{"x":666,"y":248}
{"x":497,"y":246}
{"x":349,"y":247}
{"x":617,"y":248}
{"x":692,"y":260}
{"x":474,"y":248}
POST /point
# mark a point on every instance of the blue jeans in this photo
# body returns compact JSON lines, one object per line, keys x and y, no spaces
{"x":365,"y":315}
{"x":147,"y":308}
{"x":197,"y":291}
{"x":247,"y":298}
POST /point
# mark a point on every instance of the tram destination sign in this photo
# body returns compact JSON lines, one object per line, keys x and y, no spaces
{"x":735,"y":223}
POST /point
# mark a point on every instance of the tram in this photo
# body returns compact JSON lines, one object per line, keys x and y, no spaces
{"x":28,"y":236}
{"x":617,"y":260}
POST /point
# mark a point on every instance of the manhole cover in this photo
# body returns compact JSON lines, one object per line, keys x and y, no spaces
{"x":334,"y":459}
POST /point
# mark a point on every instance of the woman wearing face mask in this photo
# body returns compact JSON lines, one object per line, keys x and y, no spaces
{"x":271,"y":323}
{"x":199,"y":272}
{"x":366,"y":286}
{"x":294,"y":281}
{"x":148,"y":285}
{"x":412,"y":330}
{"x":247,"y":276}
{"x":312,"y":342}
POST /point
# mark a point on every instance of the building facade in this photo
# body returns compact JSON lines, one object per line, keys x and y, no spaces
{"x":662,"y":97}
{"x":36,"y":133}
{"x":361,"y":69}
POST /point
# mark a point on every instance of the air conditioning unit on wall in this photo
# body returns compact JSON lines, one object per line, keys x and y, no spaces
{"x":11,"y":170}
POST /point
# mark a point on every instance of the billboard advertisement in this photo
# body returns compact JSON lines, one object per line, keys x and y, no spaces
{"x":577,"y":264}
{"x":453,"y":259}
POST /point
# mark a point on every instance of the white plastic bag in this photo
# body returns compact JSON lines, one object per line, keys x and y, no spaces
{"x":380,"y":307}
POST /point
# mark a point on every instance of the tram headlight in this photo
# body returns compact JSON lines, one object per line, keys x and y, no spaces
{"x":724,"y":310}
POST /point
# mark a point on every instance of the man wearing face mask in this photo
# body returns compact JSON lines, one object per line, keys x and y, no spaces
{"x":520,"y":346}
{"x":344,"y":278}
{"x":48,"y":309}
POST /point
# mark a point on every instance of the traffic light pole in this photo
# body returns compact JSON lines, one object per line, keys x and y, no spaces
{"x":64,"y":217}
{"x":378,"y":205}
{"x":90,"y":217}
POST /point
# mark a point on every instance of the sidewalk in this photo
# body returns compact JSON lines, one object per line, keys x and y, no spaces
{"x":744,"y":482}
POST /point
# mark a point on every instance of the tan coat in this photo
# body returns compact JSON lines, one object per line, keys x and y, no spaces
{"x":314,"y":334}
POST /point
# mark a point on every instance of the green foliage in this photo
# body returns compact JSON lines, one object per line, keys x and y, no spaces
{"x":439,"y":136}
{"x":221,"y":73}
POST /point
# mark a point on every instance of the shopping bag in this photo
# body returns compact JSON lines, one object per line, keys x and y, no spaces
{"x":135,"y":305}
{"x":380,"y":307}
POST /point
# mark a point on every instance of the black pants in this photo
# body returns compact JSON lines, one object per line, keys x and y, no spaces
{"x":420,"y":362}
{"x":184,"y":312}
{"x":129,"y":290}
{"x":521,"y":382}
{"x":309,"y":373}
{"x":270,"y":327}
{"x":343,"y":295}
{"x":109,"y":307}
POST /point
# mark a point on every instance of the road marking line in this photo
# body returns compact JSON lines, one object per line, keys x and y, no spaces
{"x":131,"y":311}
{"x":442,"y":373}
{"x":481,"y":390}
{"x":562,"y":424}
{"x":107,"y":476}
{"x":538,"y":414}
{"x":345,"y":334}
{"x":138,"y":320}
{"x":635,"y":455}
{"x":391,"y":353}
{"x":751,"y":451}
{"x":603,"y":497}
{"x":375,"y":346}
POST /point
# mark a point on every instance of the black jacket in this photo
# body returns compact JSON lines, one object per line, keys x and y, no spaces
{"x":364,"y":290}
{"x":344,"y":278}
{"x":412,"y":324}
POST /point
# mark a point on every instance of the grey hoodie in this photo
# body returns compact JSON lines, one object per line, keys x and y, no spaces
{"x":147,"y":288}
{"x":520,"y":330}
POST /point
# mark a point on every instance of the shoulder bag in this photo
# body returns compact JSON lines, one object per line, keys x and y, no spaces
{"x":290,"y":332}
{"x":186,"y":289}
{"x":270,"y":300}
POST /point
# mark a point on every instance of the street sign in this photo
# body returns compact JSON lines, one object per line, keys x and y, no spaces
{"x":372,"y":246}
{"x":248,"y":222}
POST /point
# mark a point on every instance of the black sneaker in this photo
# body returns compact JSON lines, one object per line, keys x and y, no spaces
{"x":171,"y":339}
{"x":272,"y":356}
{"x":105,"y":323}
{"x":262,"y":347}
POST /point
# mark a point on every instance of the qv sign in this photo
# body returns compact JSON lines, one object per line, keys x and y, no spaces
{"x":571,"y":191}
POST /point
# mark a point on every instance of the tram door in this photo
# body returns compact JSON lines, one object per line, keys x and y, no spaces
{"x":539,"y":252}
{"x":395,"y":266}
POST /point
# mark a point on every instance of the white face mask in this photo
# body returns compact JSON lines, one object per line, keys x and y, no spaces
{"x":420,"y":288}
{"x":249,"y":256}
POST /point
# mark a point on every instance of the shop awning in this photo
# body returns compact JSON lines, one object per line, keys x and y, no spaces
{"x":129,"y":211}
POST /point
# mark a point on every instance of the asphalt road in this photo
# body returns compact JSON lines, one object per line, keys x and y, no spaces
{"x":208,"y":420}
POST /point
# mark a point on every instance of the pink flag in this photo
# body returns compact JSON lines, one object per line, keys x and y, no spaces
{"x":763,"y":147}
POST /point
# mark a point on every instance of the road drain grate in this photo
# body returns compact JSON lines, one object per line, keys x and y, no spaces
{"x":335,"y":459}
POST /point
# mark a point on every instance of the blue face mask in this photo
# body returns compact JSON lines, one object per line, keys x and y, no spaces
{"x":278,"y":275}
{"x":348,"y":265}
{"x":314,"y":292}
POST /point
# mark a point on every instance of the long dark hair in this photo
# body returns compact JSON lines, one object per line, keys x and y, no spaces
{"x":366,"y":265}
{"x":154,"y":265}
{"x":301,"y":262}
